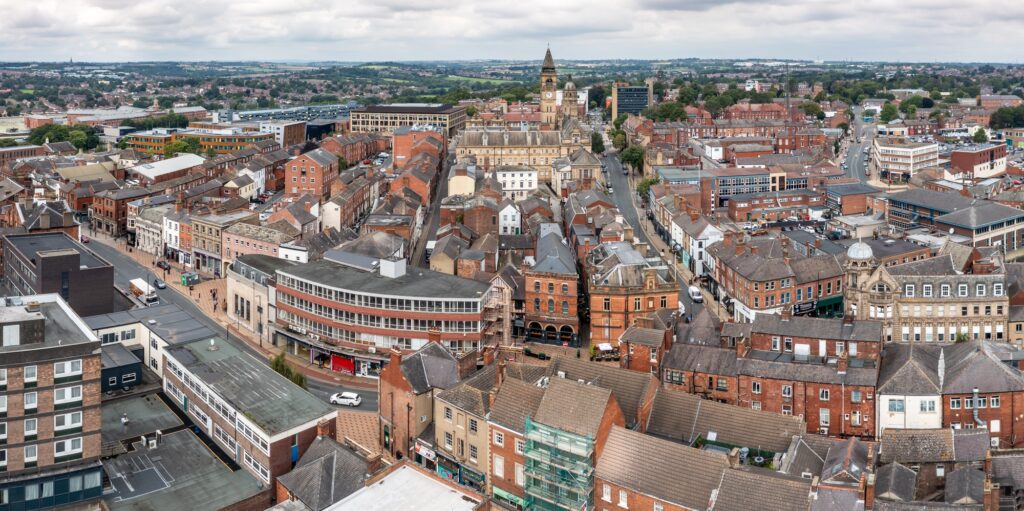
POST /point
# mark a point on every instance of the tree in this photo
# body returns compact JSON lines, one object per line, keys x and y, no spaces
{"x":471,"y":111}
{"x":7,"y":142}
{"x":644,"y":186}
{"x":844,"y":126}
{"x":820,"y":115}
{"x":634,"y":156}
{"x":342,"y":162}
{"x":142,"y":102}
{"x":174,"y":148}
{"x":619,"y":141}
{"x":980,"y":136}
{"x":165,"y":101}
{"x":596,"y":143}
{"x":888,"y":113}
{"x":619,"y":120}
{"x":280,"y":365}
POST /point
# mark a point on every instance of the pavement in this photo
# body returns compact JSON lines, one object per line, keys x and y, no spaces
{"x":198,"y":302}
{"x":433,"y":217}
{"x":626,"y":199}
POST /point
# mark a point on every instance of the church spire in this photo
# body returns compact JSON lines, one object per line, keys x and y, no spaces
{"x":549,"y":63}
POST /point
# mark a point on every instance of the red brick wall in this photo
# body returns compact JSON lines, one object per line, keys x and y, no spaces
{"x":1011,"y":405}
{"x":396,"y":398}
{"x":805,"y":401}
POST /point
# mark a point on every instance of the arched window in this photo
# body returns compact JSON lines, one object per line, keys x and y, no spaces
{"x":551,"y":306}
{"x":565,"y":308}
{"x":551,"y":288}
{"x":565,"y":289}
{"x":536,"y":304}
{"x":536,"y":286}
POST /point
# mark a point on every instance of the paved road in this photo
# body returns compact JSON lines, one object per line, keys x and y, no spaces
{"x":621,"y":192}
{"x":855,"y":156}
{"x":433,"y":219}
{"x":125,"y":269}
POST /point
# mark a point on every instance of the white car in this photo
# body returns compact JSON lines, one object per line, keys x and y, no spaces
{"x":346,"y":398}
{"x":695,"y":294}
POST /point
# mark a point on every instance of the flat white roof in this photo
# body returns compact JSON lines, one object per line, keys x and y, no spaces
{"x":407,"y":489}
{"x":156,"y":169}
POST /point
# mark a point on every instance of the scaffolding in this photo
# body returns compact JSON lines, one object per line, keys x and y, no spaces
{"x":559,"y":469}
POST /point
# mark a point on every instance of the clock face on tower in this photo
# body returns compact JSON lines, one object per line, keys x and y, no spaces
{"x":548,"y":94}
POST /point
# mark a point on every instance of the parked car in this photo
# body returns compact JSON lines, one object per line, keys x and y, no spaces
{"x":695,"y":294}
{"x":163,"y":265}
{"x":346,"y":398}
{"x":159,"y":284}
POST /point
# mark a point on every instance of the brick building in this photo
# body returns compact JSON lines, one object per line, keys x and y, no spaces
{"x":623,"y":285}
{"x":264,"y":428}
{"x":552,"y":292}
{"x":50,"y":374}
{"x":409,"y":141}
{"x":311,"y":173}
{"x":978,"y":162}
{"x":407,"y":388}
{"x":388,"y":118}
{"x":774,"y":206}
{"x":56,"y":263}
{"x":109,"y":210}
{"x":849,"y":199}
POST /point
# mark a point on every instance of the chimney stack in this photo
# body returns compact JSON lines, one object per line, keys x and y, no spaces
{"x":499,"y":375}
{"x":734,"y":457}
{"x":841,"y":365}
{"x":868,"y":483}
{"x":787,"y":313}
{"x":394,"y":357}
{"x":742,"y":348}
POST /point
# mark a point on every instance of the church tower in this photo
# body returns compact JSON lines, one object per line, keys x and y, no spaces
{"x":548,"y":89}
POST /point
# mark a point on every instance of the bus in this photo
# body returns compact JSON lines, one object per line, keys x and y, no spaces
{"x":143,"y":291}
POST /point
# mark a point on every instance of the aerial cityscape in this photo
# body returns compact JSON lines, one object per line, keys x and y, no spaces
{"x":609,"y":256}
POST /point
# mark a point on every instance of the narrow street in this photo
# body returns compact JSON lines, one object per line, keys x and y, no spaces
{"x":624,"y":197}
{"x":127,"y":267}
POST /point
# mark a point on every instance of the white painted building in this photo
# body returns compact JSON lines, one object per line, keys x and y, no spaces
{"x":517,"y":182}
{"x":510,"y":219}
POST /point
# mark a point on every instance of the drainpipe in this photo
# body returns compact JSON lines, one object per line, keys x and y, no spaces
{"x":980,"y":423}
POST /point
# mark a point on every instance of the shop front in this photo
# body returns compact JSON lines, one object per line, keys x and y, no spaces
{"x":450,"y":469}
{"x":831,"y":307}
{"x":508,"y":499}
{"x":424,"y":455}
{"x":336,"y":358}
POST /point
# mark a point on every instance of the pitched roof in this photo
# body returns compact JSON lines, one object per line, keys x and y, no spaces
{"x":846,"y":461}
{"x":916,"y":445}
{"x":431,"y":366}
{"x":684,"y":417}
{"x":629,"y":387}
{"x":806,"y":455}
{"x":965,"y":485}
{"x":753,"y":488}
{"x":910,"y":369}
{"x":554,"y":256}
{"x":821,"y":328}
{"x":573,"y":407}
{"x":325,"y":474}
{"x":516,"y":400}
{"x":652,"y":466}
{"x":647,"y":336}
{"x":895,"y":482}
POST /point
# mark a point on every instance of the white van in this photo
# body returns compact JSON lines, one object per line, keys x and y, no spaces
{"x":695,"y":294}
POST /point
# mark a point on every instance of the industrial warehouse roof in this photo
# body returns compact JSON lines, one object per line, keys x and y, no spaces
{"x":417,"y":282}
{"x":154,"y":170}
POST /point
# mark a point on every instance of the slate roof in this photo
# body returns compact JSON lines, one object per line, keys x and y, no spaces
{"x":761,"y":489}
{"x":325,"y":474}
{"x":647,"y":336}
{"x":629,"y":387}
{"x":1008,"y":469}
{"x":916,"y":446}
{"x":684,"y":417}
{"x":704,"y":359}
{"x":431,"y":366}
{"x":554,"y":256}
{"x":806,"y":455}
{"x":981,"y":215}
{"x":909,"y":369}
{"x":895,"y":482}
{"x":471,"y":394}
{"x":938,"y":201}
{"x":845,"y":461}
{"x":965,"y":485}
{"x":821,"y":328}
{"x":652,"y":466}
{"x":573,"y":407}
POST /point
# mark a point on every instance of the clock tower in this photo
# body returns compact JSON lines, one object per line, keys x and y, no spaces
{"x":548,"y":89}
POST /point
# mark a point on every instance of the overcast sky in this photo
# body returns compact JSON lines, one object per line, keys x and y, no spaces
{"x":365,"y":30}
